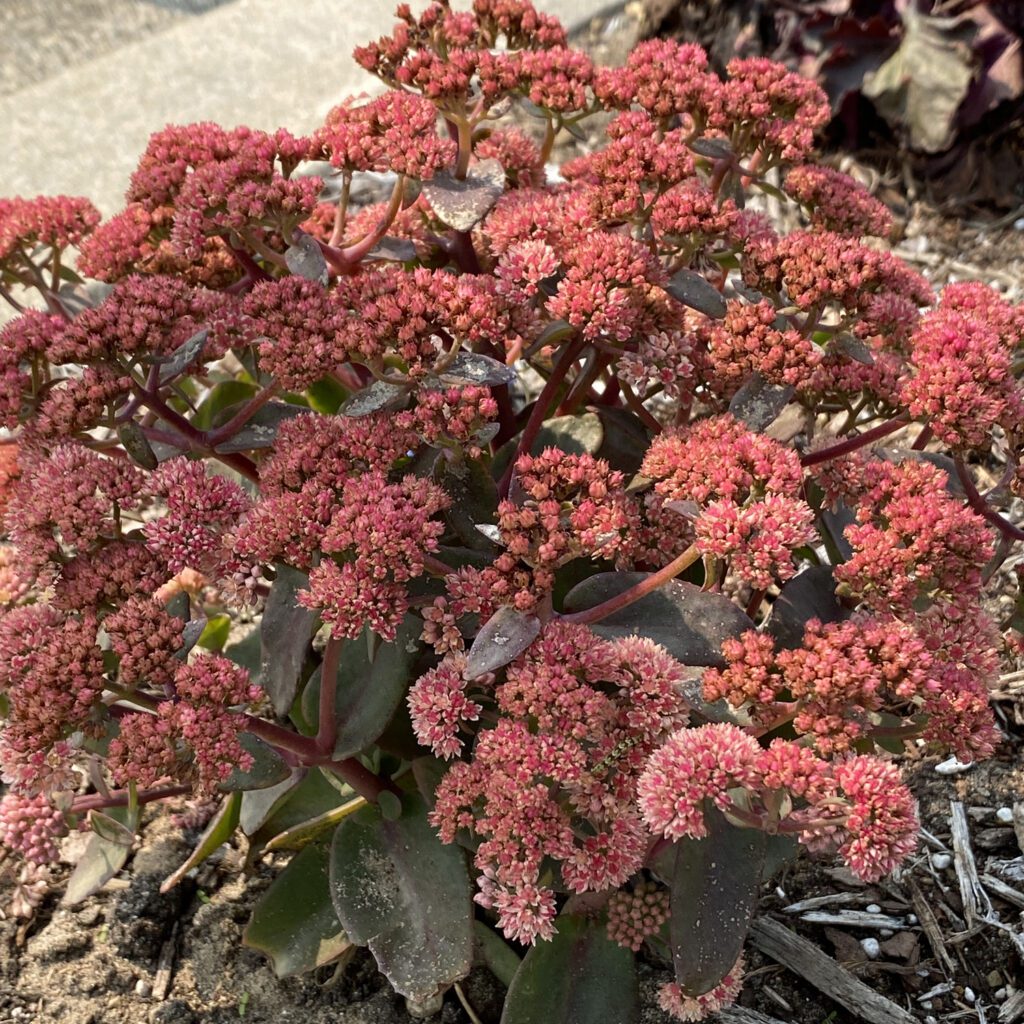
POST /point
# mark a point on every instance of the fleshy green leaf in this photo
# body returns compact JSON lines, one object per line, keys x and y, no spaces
{"x":758,"y":403}
{"x":312,"y":797}
{"x":400,"y":891}
{"x":260,"y":805}
{"x":267,"y":769}
{"x":222,"y":397}
{"x":183,"y":356}
{"x":505,"y":635}
{"x":697,"y":292}
{"x":715,"y":883}
{"x":294,"y":922}
{"x":575,"y":435}
{"x":496,"y":953}
{"x":216,"y":834}
{"x":104,"y":855}
{"x":463,"y":202}
{"x":215,"y":633}
{"x":137,"y":445}
{"x":286,"y":632}
{"x":689,"y":623}
{"x":369,"y":689}
{"x":305,"y":258}
{"x":579,"y":977}
{"x":810,"y":595}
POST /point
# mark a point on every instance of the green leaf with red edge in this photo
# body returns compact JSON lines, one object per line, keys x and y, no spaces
{"x":400,"y":891}
{"x":370,"y":687}
{"x":216,"y":834}
{"x":689,"y":623}
{"x":294,"y":922}
{"x":105,"y":854}
{"x":579,"y":977}
{"x":715,"y":883}
{"x":285,"y":632}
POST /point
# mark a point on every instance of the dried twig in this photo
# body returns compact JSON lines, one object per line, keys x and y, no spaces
{"x":806,"y":959}
{"x":931,"y":928}
{"x":165,"y":966}
{"x":977,"y":905}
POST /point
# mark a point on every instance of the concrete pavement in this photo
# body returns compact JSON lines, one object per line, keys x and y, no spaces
{"x":265,"y":63}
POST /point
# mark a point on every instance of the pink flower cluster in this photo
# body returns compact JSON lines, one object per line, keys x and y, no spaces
{"x":200,"y":509}
{"x":749,"y":339}
{"x":51,"y":671}
{"x":637,"y":915}
{"x":912,"y":538}
{"x":194,"y":735}
{"x":597,"y":710}
{"x":845,"y":676}
{"x":30,"y":826}
{"x":673,"y":1000}
{"x":380,"y":532}
{"x":837,"y":202}
{"x":860,"y":804}
{"x":55,"y":221}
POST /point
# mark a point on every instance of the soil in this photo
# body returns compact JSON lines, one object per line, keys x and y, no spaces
{"x":99,"y":962}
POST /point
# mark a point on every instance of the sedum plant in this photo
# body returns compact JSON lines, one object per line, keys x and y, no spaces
{"x":530,"y":560}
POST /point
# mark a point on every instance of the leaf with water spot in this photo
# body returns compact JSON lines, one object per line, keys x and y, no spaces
{"x":400,"y":891}
{"x":463,"y":202}
{"x":505,"y":635}
{"x":715,"y":883}
{"x":695,"y":291}
{"x":758,"y":403}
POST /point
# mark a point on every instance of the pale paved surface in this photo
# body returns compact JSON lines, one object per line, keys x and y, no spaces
{"x":265,"y":63}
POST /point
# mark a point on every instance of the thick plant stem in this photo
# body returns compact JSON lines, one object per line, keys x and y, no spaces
{"x":851,"y":444}
{"x":365,"y":783}
{"x":327,"y":721}
{"x":642,"y":589}
{"x":540,"y":409}
{"x":982,"y":507}
{"x":246,"y":413}
{"x":120,"y":798}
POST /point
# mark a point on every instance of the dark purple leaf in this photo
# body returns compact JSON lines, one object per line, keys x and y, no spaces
{"x":505,"y":635}
{"x":463,"y":202}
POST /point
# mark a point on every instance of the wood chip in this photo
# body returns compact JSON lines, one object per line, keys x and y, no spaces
{"x":805,"y":959}
{"x":1018,"y":824}
{"x":1013,"y":1008}
{"x":165,"y":966}
{"x":841,"y":899}
{"x":977,"y":905}
{"x":854,"y":919}
{"x":1003,"y":891}
{"x":931,"y":927}
{"x":741,"y":1015}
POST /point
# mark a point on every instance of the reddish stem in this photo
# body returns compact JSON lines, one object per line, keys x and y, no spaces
{"x":982,"y":507}
{"x":246,"y":413}
{"x":327,"y":724}
{"x":120,"y":798}
{"x":851,"y":444}
{"x":639,"y":590}
{"x":540,"y":408}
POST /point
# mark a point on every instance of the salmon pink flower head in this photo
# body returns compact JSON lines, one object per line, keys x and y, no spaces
{"x":54,"y":221}
{"x":838,"y":202}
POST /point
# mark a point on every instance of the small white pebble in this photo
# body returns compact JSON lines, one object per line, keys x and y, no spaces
{"x":871,"y":948}
{"x":928,"y":1006}
{"x":780,"y":892}
{"x":1000,"y":995}
{"x":911,"y":918}
{"x":941,"y":861}
{"x":1018,"y":224}
{"x":930,"y":1020}
{"x":873,"y":908}
{"x":951,"y":766}
{"x":1004,"y":816}
{"x":969,"y":995}
{"x":886,"y":933}
{"x":143,"y":988}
